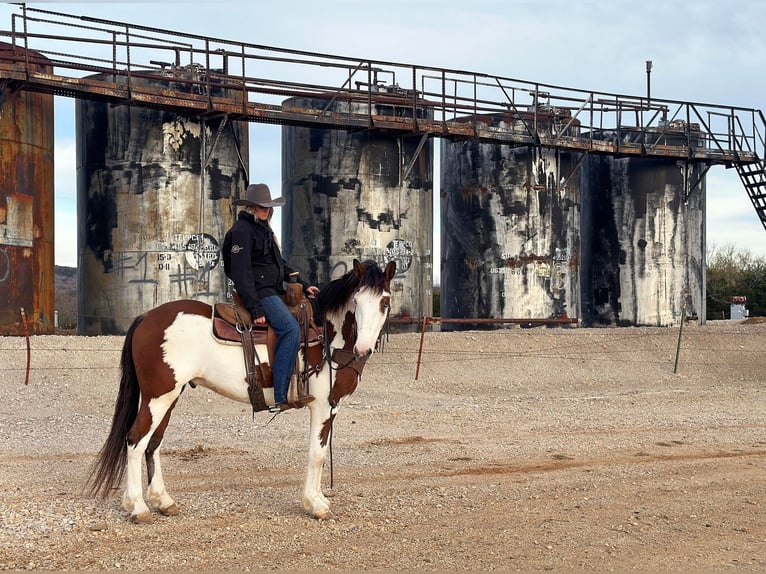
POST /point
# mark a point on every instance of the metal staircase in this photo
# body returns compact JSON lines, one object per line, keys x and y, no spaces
{"x":753,"y":176}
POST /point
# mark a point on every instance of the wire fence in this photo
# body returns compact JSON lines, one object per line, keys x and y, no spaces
{"x":649,"y":346}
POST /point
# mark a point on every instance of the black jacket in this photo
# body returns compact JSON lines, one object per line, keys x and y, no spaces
{"x":252,"y":260}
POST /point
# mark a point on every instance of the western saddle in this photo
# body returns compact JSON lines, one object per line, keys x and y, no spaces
{"x":232,"y":323}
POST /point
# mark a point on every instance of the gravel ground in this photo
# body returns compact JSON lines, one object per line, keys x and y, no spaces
{"x":520,"y":449}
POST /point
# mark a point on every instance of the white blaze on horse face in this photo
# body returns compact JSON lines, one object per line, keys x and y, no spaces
{"x":371,"y":314}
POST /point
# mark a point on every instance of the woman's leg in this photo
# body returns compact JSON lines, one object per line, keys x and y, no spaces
{"x":288,"y":342}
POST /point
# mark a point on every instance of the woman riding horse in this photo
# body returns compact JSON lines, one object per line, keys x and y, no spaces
{"x":253,"y":262}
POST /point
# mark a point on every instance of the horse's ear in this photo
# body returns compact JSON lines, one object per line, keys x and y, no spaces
{"x":359,"y":269}
{"x":390,"y":270}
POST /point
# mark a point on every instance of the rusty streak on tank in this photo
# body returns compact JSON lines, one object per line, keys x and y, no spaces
{"x":26,"y":206}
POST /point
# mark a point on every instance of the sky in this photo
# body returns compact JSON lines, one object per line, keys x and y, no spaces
{"x":702,"y":51}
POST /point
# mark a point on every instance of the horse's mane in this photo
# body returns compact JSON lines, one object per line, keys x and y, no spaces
{"x":336,"y":293}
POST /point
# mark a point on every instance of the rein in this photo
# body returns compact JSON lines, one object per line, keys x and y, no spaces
{"x":344,"y":359}
{"x":333,"y":405}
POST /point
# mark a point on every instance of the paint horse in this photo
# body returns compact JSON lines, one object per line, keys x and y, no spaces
{"x":171,"y":347}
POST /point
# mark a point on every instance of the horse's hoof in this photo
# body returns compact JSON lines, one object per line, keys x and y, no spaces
{"x":171,"y":510}
{"x":324,"y":515}
{"x":142,"y":518}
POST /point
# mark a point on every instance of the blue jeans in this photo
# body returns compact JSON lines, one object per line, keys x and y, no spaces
{"x":288,"y":342}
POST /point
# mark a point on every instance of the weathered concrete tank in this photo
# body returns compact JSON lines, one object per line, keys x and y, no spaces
{"x":26,"y":204}
{"x":644,"y":236}
{"x":349,"y":196}
{"x":154,"y":202}
{"x":510,"y":225}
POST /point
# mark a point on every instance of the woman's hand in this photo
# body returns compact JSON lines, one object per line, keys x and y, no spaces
{"x":312,"y":290}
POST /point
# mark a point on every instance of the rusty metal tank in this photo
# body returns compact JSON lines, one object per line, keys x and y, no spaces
{"x":154,"y":202}
{"x":350,"y":195}
{"x":26,"y":204}
{"x":510,"y":226}
{"x":644,"y":235}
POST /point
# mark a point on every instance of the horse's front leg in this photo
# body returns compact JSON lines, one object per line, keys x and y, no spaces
{"x":314,"y":501}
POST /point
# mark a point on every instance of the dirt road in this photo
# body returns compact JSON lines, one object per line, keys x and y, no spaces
{"x":528,"y":449}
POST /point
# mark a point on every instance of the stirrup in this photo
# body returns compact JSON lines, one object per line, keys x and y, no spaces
{"x":286,"y":405}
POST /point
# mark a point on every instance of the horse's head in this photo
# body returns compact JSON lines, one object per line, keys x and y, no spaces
{"x":358,"y":303}
{"x":372,"y":303}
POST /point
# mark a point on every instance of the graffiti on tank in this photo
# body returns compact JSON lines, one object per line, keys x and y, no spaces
{"x":506,"y":269}
{"x":338,"y":269}
{"x":558,"y":278}
{"x":176,"y":242}
{"x":399,"y":250}
{"x":144,"y":267}
{"x":202,"y":251}
{"x":560,"y":271}
{"x":192,"y":282}
{"x":553,"y":271}
{"x":561,"y":255}
{"x":138,"y":267}
{"x":164,"y":261}
{"x":542,"y":269}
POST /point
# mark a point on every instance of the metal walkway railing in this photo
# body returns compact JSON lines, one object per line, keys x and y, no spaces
{"x":199,"y":76}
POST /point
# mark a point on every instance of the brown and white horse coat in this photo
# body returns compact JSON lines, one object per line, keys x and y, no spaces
{"x":172,"y":346}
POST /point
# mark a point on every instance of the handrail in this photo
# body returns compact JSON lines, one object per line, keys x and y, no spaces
{"x":440,"y":100}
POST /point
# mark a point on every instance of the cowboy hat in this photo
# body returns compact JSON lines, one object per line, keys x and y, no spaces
{"x":259,"y":194}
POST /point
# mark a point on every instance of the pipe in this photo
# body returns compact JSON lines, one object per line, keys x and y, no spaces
{"x":483,"y":321}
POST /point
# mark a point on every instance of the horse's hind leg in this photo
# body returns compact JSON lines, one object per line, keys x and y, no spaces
{"x":156,"y":492}
{"x":151,"y":415}
{"x":133,"y":498}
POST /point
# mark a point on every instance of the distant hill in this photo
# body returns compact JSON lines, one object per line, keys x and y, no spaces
{"x":65,"y":297}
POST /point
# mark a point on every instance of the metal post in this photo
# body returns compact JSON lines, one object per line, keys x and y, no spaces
{"x":648,"y":83}
{"x":29,"y":349}
{"x":684,"y":296}
{"x":420,"y":351}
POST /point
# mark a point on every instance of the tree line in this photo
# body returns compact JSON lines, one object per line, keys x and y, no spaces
{"x":735,"y":272}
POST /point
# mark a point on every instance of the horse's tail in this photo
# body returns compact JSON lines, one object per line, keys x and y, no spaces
{"x":109,"y":468}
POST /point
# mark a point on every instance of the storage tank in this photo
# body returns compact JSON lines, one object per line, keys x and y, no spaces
{"x":154,"y":202}
{"x":644,"y":235}
{"x":349,"y":195}
{"x":510,"y":224}
{"x":26,"y":203}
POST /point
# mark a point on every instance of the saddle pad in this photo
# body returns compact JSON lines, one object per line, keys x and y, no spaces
{"x":228,"y":332}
